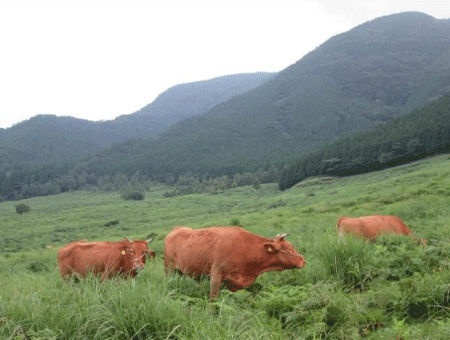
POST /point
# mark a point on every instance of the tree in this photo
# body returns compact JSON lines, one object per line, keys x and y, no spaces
{"x":22,"y":208}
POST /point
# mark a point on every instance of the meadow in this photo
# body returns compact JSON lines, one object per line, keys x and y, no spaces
{"x":392,"y":289}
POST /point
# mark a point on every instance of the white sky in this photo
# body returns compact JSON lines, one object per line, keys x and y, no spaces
{"x":101,"y":59}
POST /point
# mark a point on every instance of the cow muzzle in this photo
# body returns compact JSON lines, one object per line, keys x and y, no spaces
{"x":295,"y":260}
{"x":301,"y":262}
{"x":138,"y":264}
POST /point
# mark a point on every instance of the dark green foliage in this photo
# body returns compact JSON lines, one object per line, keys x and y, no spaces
{"x":22,"y":208}
{"x":133,"y":195}
{"x":235,"y":222}
{"x":190,"y":184}
{"x":402,"y":140}
{"x":111,"y":223}
{"x":39,"y":266}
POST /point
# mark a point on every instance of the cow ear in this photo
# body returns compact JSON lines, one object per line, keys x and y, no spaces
{"x":271,"y":248}
{"x":124,"y":250}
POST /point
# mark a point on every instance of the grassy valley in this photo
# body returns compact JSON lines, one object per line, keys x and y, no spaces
{"x":390,"y":289}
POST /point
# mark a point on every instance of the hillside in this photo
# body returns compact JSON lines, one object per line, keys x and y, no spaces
{"x":352,"y":82}
{"x":390,"y":289}
{"x":48,"y":138}
{"x":188,"y":100}
{"x":423,"y":132}
{"x":403,"y":139}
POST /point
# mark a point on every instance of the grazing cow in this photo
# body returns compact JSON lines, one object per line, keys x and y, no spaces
{"x":108,"y":259}
{"x":227,"y":254}
{"x":370,"y":227}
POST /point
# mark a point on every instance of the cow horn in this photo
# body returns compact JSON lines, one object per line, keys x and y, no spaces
{"x":150,"y":240}
{"x":282,"y":235}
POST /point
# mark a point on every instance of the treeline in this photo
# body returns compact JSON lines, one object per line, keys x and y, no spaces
{"x":422,"y":133}
{"x":174,"y":156}
{"x":26,"y":181}
{"x":30,"y":180}
{"x":191,"y":184}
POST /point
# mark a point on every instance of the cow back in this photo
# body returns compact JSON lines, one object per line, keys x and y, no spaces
{"x":370,"y":227}
{"x":106,"y":258}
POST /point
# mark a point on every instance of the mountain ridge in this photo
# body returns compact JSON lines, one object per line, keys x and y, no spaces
{"x":51,"y":138}
{"x":352,"y":82}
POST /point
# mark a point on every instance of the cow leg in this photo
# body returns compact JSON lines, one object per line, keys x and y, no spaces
{"x":339,"y":232}
{"x":216,"y":281}
{"x":64,"y":271}
{"x":169,"y":267}
{"x":105,"y":274}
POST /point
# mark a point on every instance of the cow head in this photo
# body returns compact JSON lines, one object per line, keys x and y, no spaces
{"x":282,"y":254}
{"x":134,"y":255}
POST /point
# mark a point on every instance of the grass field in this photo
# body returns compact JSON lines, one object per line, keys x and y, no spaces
{"x":348,"y":290}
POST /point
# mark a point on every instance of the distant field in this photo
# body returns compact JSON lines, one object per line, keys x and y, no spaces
{"x":348,"y":290}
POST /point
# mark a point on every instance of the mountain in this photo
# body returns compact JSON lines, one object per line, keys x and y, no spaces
{"x":352,"y":82}
{"x":423,"y":132}
{"x":188,"y":100}
{"x":48,"y":138}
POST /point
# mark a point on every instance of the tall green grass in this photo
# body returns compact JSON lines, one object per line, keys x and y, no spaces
{"x":348,"y":289}
{"x":42,"y":306}
{"x":347,"y":261}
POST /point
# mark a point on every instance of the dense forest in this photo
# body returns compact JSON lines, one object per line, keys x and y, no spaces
{"x":404,"y":139}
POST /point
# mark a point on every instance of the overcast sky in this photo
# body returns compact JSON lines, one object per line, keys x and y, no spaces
{"x":100,"y":59}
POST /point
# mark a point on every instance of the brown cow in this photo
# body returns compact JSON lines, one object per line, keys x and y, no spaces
{"x":105,"y":258}
{"x":227,"y":254}
{"x":370,"y":227}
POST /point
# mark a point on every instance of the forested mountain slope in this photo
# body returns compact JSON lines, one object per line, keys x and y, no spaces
{"x":48,"y":138}
{"x":423,"y":132}
{"x":352,"y":82}
{"x":188,"y":100}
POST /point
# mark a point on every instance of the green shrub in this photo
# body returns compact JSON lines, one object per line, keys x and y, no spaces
{"x":22,"y":208}
{"x":235,"y":222}
{"x":425,"y":297}
{"x":317,"y":311}
{"x":39,"y":266}
{"x":133,"y":195}
{"x":398,"y":257}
